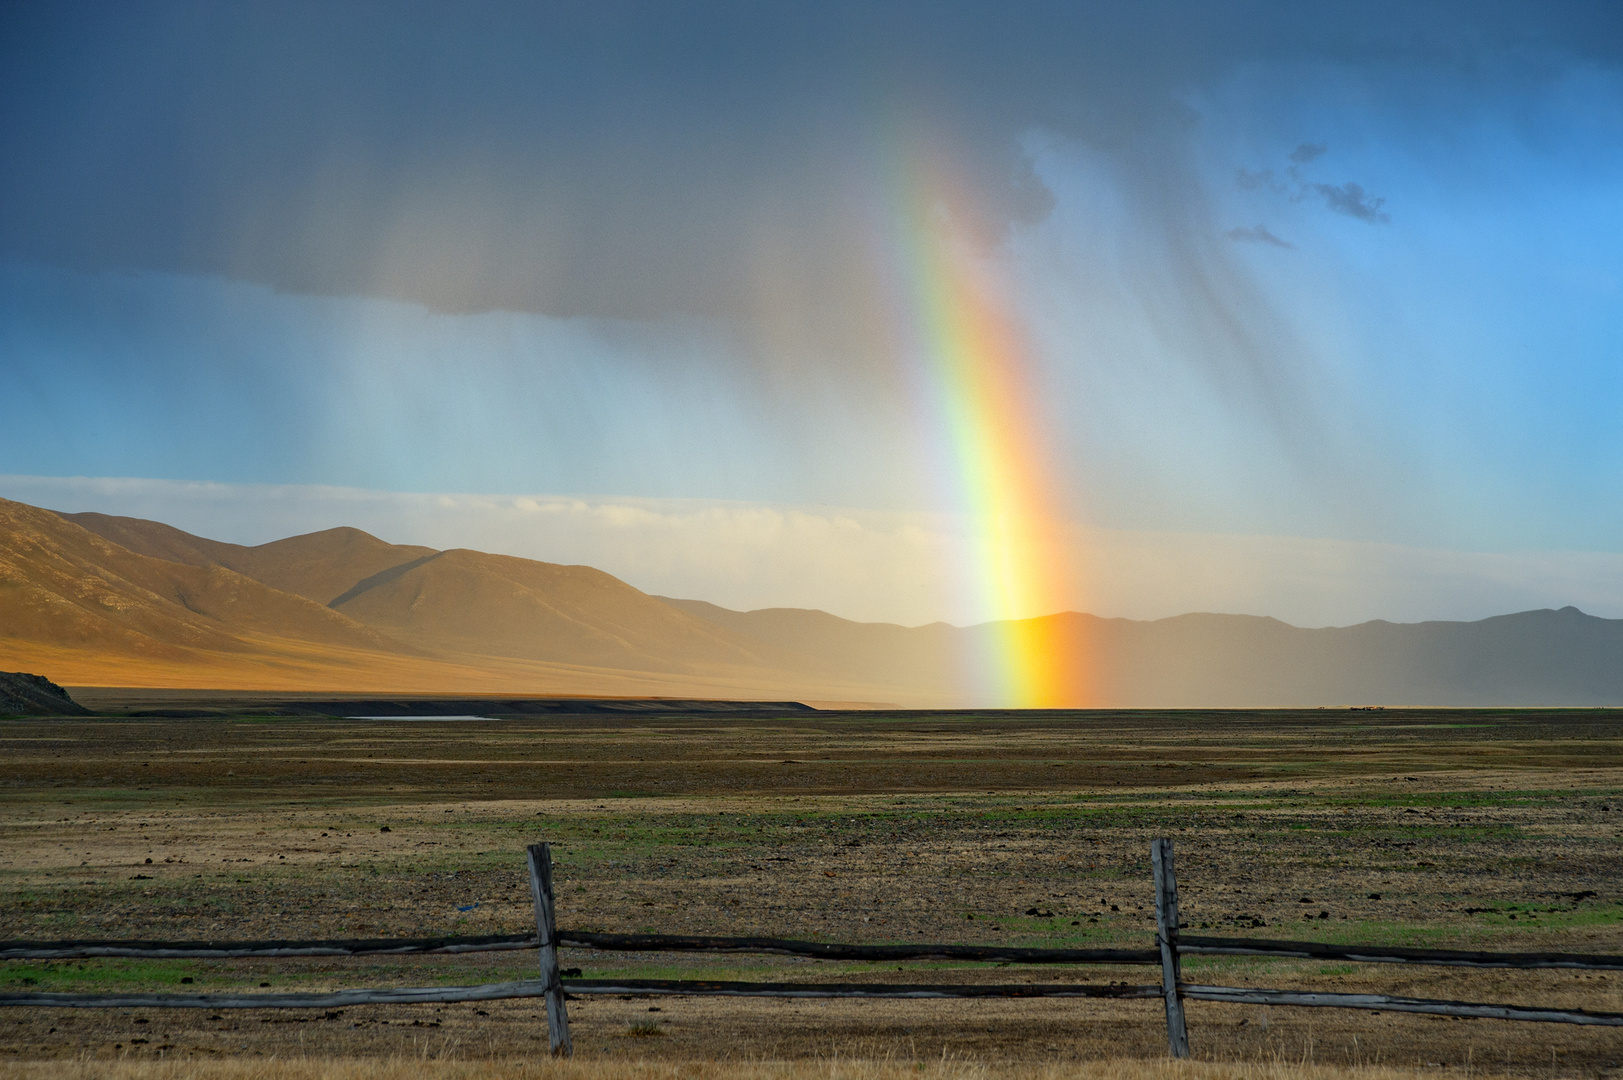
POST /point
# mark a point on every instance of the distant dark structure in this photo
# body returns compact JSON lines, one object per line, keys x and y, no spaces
{"x":22,"y":694}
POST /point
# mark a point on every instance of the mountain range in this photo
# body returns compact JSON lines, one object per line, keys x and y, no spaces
{"x":93,"y":600}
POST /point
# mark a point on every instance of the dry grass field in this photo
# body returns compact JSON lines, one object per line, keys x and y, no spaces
{"x":830,"y":1068}
{"x":1499,"y":830}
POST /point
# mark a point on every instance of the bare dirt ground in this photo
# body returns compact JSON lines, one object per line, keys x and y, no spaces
{"x":1499,"y":830}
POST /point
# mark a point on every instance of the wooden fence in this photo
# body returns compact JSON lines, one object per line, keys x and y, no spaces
{"x":1170,"y":946}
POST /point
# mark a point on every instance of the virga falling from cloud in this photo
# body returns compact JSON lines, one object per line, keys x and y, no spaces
{"x":627,"y":248}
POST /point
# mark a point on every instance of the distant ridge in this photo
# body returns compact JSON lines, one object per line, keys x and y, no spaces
{"x":1532,"y":658}
{"x":460,"y":601}
{"x":62,"y":585}
{"x":318,"y":566}
{"x":872,"y":652}
{"x":94,"y":600}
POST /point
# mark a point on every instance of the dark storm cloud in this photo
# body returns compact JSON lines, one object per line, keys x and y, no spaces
{"x":613,"y":159}
{"x":1351,"y":199}
{"x":1261,"y":180}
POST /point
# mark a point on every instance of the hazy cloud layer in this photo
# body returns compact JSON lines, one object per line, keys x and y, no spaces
{"x":876,"y":567}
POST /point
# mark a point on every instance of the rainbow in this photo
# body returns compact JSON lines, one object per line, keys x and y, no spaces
{"x":971,"y":375}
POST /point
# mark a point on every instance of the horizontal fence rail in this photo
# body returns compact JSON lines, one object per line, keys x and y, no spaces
{"x":328,"y":999}
{"x":1170,"y":946}
{"x":822,"y":950}
{"x":704,"y":988}
{"x":530,"y":988}
{"x":1238,"y":995}
{"x":1380,"y":954}
{"x":220,"y":950}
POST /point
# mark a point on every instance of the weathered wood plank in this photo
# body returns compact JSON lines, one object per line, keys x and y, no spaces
{"x":67,"y":950}
{"x":700,"y":988}
{"x":538,"y":988}
{"x":1187,"y":944}
{"x":546,"y":930}
{"x":202,"y":950}
{"x":705,"y":988}
{"x":824,"y":950}
{"x":1381,"y":954}
{"x":408,"y":995}
{"x":528,"y":988}
{"x":1166,"y":939}
{"x":1384,"y":1002}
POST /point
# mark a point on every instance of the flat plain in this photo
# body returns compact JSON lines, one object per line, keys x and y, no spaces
{"x":1466,"y":828}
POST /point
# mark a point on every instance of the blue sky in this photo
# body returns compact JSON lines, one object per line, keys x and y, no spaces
{"x":1345,"y":275}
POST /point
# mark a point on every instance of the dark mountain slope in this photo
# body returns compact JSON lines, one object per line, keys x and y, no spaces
{"x":22,"y":694}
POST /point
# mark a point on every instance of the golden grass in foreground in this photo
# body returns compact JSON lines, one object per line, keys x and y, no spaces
{"x":829,"y":1069}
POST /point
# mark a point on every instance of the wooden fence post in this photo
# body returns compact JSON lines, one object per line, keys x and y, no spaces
{"x":1166,"y":936}
{"x":546,"y":929}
